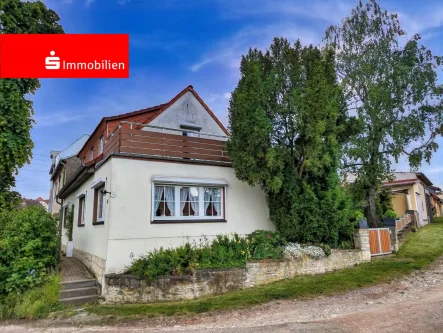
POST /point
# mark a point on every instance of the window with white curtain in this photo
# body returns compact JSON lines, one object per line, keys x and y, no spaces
{"x":186,"y":202}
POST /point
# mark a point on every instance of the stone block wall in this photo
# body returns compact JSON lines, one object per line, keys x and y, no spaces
{"x":394,"y":239}
{"x":120,"y":288}
{"x":131,"y":289}
{"x":258,"y":273}
{"x":96,"y":265}
{"x":361,"y":242}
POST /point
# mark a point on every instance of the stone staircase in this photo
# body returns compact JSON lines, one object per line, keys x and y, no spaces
{"x":78,"y":292}
{"x":78,"y":285}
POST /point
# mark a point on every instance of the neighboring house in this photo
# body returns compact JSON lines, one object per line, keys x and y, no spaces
{"x":63,"y":166}
{"x":37,"y":202}
{"x":411,"y":192}
{"x":29,"y":203}
{"x":43,"y":202}
{"x":156,"y":178}
{"x":436,"y":200}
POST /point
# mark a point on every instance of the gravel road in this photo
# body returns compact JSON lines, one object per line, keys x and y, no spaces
{"x":410,"y":304}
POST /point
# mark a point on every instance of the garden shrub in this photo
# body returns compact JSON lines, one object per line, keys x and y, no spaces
{"x":34,"y":303}
{"x":266,"y":245}
{"x":390,"y":213}
{"x":224,"y":251}
{"x":28,"y":249}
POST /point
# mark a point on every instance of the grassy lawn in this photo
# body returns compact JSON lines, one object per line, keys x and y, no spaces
{"x":419,"y":250}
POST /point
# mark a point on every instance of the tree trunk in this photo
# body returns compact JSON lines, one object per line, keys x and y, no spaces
{"x":372,"y":207}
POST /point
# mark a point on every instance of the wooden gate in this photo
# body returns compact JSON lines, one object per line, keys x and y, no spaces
{"x":380,"y":241}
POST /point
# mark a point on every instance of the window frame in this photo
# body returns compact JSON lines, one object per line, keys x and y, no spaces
{"x":65,"y":209}
{"x":98,"y":194}
{"x":91,"y":154}
{"x":81,"y":219}
{"x":99,"y":185}
{"x":178,"y":218}
{"x":100,"y":145}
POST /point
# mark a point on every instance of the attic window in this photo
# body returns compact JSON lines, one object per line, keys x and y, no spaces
{"x":191,"y":127}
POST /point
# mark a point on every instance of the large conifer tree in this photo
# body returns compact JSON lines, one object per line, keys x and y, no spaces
{"x":286,"y":125}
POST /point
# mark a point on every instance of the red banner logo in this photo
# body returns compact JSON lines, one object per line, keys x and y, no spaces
{"x":64,"y":56}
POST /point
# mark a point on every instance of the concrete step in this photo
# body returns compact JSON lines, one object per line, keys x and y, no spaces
{"x":69,"y":293}
{"x":78,"y":284}
{"x":78,"y":300}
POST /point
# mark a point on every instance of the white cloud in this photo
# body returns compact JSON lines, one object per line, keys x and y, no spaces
{"x":56,"y":119}
{"x":332,"y":11}
{"x":228,"y":52}
{"x":422,"y":21}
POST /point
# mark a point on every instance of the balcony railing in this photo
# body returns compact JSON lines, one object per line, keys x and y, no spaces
{"x":141,"y":139}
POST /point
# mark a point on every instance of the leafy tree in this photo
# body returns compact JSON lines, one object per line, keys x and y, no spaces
{"x":17,"y":17}
{"x":390,"y":84}
{"x":286,"y":125}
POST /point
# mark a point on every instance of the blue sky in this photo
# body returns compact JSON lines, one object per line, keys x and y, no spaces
{"x":174,"y":43}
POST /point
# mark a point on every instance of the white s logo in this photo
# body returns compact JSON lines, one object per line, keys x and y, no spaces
{"x":52,"y":62}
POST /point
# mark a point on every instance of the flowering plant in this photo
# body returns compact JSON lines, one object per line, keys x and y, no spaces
{"x":295,"y":250}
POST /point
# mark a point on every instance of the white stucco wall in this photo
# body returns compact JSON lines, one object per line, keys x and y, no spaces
{"x":187,"y":109}
{"x":91,"y":239}
{"x":130,"y":230}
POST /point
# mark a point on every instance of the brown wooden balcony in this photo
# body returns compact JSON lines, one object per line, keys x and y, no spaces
{"x":140,"y":139}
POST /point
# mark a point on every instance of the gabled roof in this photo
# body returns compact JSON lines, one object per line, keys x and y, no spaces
{"x":71,"y":150}
{"x":154,"y":111}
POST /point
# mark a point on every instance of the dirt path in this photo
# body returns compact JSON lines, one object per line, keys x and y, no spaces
{"x":411,"y":304}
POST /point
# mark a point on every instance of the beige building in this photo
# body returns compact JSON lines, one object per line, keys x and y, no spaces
{"x":155,"y":178}
{"x":410,"y":192}
{"x":63,"y":165}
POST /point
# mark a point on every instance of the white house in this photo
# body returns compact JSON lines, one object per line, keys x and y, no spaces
{"x":156,"y":177}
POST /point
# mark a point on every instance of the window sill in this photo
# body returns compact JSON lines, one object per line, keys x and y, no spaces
{"x":80,"y":225}
{"x":98,"y":222}
{"x":189,"y":221}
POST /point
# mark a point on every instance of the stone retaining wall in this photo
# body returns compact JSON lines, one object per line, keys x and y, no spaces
{"x":96,"y":265}
{"x":120,"y":288}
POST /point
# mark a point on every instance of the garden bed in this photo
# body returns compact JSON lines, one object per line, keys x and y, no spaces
{"x":127,"y":288}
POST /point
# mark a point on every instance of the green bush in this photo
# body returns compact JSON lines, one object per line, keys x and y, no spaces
{"x":390,"y":214}
{"x":70,"y":223}
{"x":357,"y":215}
{"x":266,"y":245}
{"x":28,"y":249}
{"x":326,"y":248}
{"x":225,"y":251}
{"x":34,"y":303}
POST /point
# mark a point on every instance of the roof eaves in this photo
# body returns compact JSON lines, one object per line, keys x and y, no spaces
{"x":424,"y":178}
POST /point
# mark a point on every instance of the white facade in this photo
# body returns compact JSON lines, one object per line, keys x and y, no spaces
{"x":128,"y":231}
{"x":187,"y":110}
{"x":90,"y":239}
